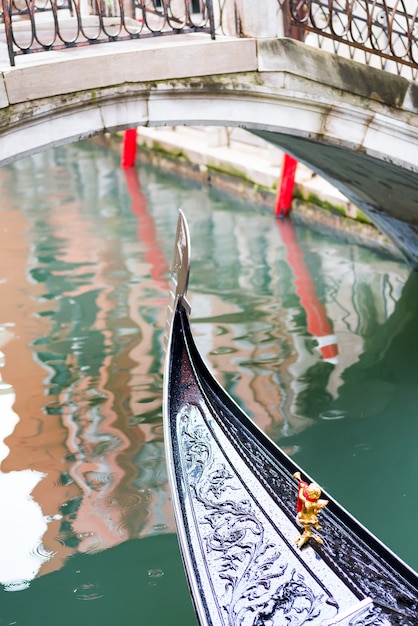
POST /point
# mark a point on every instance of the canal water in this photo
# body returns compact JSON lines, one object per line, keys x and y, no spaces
{"x":316,"y":337}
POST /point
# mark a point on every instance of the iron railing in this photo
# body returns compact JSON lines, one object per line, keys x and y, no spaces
{"x":383,"y":33}
{"x":42,"y":25}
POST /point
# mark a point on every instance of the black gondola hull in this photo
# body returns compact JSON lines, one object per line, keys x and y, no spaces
{"x":234,"y":498}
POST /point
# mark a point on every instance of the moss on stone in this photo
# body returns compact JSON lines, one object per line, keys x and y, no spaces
{"x":228,"y":171}
{"x":156,"y":147}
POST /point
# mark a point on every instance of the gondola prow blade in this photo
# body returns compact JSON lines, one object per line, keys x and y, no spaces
{"x":180,"y":270}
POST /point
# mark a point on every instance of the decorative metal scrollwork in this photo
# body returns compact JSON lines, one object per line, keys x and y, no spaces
{"x":42,"y":25}
{"x":256,"y":583}
{"x":386,"y":28}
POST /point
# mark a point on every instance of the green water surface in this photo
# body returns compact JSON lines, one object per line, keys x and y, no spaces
{"x":84,"y":270}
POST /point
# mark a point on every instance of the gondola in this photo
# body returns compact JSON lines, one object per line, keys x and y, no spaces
{"x":260,"y":544}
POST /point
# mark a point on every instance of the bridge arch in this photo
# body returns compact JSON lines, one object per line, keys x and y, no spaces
{"x":355,"y":126}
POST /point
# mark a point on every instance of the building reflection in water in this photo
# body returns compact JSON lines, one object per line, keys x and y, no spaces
{"x":22,"y":523}
{"x":86,"y":461}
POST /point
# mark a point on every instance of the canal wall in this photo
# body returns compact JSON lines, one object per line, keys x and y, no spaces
{"x":238,"y":162}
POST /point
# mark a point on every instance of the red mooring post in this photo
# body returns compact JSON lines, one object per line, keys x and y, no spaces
{"x":286,"y":187}
{"x":129,"y":148}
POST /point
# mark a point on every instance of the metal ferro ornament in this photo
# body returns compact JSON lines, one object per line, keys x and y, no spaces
{"x":309,"y":505}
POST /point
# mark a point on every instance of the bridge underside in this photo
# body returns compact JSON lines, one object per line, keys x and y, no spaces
{"x":387,"y":194}
{"x":356,"y":126}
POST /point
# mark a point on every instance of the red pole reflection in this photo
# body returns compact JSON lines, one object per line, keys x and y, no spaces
{"x":316,"y":315}
{"x":146,"y":230}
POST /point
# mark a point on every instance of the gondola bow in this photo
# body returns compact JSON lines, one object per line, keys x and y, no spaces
{"x":233,"y":493}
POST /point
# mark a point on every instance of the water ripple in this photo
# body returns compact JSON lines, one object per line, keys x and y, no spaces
{"x":40,"y":552}
{"x":88,"y":591}
{"x":333,"y":414}
{"x":125,"y":501}
{"x":17,"y":585}
{"x":154,"y":575}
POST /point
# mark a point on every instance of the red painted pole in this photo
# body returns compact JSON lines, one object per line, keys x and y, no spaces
{"x":129,"y":148}
{"x":287,"y":186}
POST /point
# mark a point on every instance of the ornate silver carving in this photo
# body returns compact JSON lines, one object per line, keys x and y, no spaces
{"x":362,"y":614}
{"x":338,"y":548}
{"x":255,"y":577}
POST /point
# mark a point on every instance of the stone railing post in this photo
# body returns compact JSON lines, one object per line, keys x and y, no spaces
{"x":258,"y":19}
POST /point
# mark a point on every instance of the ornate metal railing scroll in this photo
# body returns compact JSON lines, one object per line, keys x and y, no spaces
{"x":376,"y":32}
{"x":42,"y":25}
{"x":381,"y":33}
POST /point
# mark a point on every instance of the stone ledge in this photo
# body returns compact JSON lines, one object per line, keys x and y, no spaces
{"x":241,"y":156}
{"x":57,"y":73}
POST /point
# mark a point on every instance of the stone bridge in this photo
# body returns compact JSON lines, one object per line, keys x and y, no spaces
{"x":354,"y":125}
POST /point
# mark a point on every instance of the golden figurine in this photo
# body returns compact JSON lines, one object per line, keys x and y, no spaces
{"x":308,"y":508}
